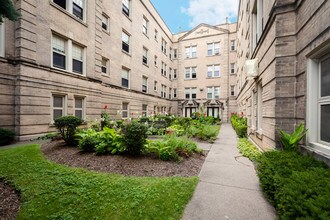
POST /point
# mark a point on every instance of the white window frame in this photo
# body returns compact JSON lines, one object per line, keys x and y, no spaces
{"x":232,"y":90}
{"x":156,"y":35}
{"x":175,"y":54}
{"x":68,"y":46}
{"x":144,"y":112}
{"x":253,"y":104}
{"x":106,"y":66}
{"x":145,"y":84}
{"x":105,"y":23}
{"x":259,"y":108}
{"x":191,"y":52}
{"x":213,"y":71}
{"x":214,"y":48}
{"x":80,"y":59}
{"x":64,"y":107}
{"x":128,"y":42}
{"x":257,"y":22}
{"x":2,"y":39}
{"x":122,"y":77}
{"x":189,"y":73}
{"x":175,"y":93}
{"x":145,"y":56}
{"x":155,"y":86}
{"x":83,"y":109}
{"x":233,"y":45}
{"x":163,"y":91}
{"x":190,"y":91}
{"x":233,"y":68}
{"x":69,"y":8}
{"x":126,"y":6}
{"x":314,"y":99}
{"x":145,"y":26}
{"x":213,"y":92}
{"x":170,"y":93}
{"x":175,"y":74}
{"x":124,"y":110}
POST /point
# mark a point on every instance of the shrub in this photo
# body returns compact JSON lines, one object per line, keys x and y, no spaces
{"x":178,"y":130}
{"x":173,"y":148}
{"x":134,"y":137}
{"x":291,"y":141}
{"x":67,"y":126}
{"x":297,"y":185}
{"x":87,"y":139}
{"x":6,"y":136}
{"x":105,"y":120}
{"x":203,"y":132}
{"x":109,"y":141}
{"x":247,"y":149}
{"x":240,"y":125}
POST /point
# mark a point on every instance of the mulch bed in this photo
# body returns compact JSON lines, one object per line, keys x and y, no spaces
{"x":58,"y":152}
{"x":9,"y":202}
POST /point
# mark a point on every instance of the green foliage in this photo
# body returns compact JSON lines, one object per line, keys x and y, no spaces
{"x":183,"y":121}
{"x":240,"y":125}
{"x":6,"y":136}
{"x":87,"y":139}
{"x":105,"y":120}
{"x":173,"y":148}
{"x":297,"y":185}
{"x":178,"y":130}
{"x":52,"y":191}
{"x":48,"y":136}
{"x":109,"y":141}
{"x":67,"y":126}
{"x":134,"y":137}
{"x":7,"y":10}
{"x":247,"y":149}
{"x":203,"y":132}
{"x":291,"y":141}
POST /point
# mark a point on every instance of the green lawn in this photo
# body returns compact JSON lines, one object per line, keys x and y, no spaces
{"x":54,"y":191}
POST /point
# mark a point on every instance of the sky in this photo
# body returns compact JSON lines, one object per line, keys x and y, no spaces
{"x":182,"y":15}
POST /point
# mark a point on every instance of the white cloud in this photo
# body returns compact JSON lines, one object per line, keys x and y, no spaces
{"x":210,"y":11}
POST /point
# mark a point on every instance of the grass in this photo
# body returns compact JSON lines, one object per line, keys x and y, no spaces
{"x":247,"y":149}
{"x":53,"y":191}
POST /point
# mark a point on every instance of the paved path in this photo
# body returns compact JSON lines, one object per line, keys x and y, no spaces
{"x":228,"y":187}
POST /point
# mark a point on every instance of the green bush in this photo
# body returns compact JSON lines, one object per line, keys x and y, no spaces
{"x":247,"y":149}
{"x":87,"y":139}
{"x":134,"y":137}
{"x":297,"y":185}
{"x":291,"y":141}
{"x":67,"y":126}
{"x":105,"y":120}
{"x":178,"y":130}
{"x":203,"y":132}
{"x":6,"y":136}
{"x":173,"y":148}
{"x":240,"y":125}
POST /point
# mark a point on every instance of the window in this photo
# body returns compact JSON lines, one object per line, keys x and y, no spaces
{"x":170,"y":74}
{"x":155,"y":85}
{"x":58,"y":106}
{"x":259,"y":109}
{"x":59,"y":52}
{"x":174,"y":94}
{"x":163,"y":70}
{"x":145,"y":26}
{"x":156,"y":35}
{"x":174,"y":74}
{"x":232,"y":45}
{"x":2,"y":40}
{"x":190,"y":73}
{"x":126,"y":7}
{"x":77,"y":59}
{"x":105,"y":64}
{"x":191,"y":52}
{"x":213,"y":111}
{"x":189,"y":111}
{"x":190,"y":93}
{"x":163,"y":92}
{"x":253,"y":104}
{"x":318,"y":100}
{"x":125,"y":110}
{"x":213,"y":92}
{"x":145,"y":110}
{"x":76,"y":7}
{"x":175,"y":54}
{"x":105,"y":22}
{"x":170,"y":93}
{"x":171,"y":51}
{"x":213,"y":49}
{"x":213,"y":71}
{"x":155,"y":60}
{"x":144,"y":84}
{"x":79,"y":107}
{"x":125,"y":42}
{"x":145,"y":56}
{"x":125,"y":78}
{"x":60,"y":57}
{"x":164,"y":46}
{"x":232,"y":68}
{"x":257,"y":22}
{"x":232,"y":90}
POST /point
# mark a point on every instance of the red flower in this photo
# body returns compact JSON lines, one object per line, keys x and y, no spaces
{"x":106,"y":107}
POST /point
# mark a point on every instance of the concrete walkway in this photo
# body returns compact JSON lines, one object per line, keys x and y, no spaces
{"x":229,"y":186}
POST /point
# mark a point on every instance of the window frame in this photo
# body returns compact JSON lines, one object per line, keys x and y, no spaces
{"x":213,"y":71}
{"x":144,"y":111}
{"x":126,"y":12}
{"x":124,"y":110}
{"x":128,"y":77}
{"x":213,"y":92}
{"x":106,"y":66}
{"x":82,"y":109}
{"x":144,"y":84}
{"x":63,"y":108}
{"x":105,"y":25}
{"x":145,"y":26}
{"x":192,"y":91}
{"x":191,"y":52}
{"x":2,"y":39}
{"x":191,"y":73}
{"x":213,"y":48}
{"x":127,"y":44}
{"x":69,"y":7}
{"x":145,"y":56}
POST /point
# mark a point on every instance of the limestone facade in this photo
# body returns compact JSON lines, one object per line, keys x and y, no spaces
{"x":290,"y":40}
{"x":81,"y":57}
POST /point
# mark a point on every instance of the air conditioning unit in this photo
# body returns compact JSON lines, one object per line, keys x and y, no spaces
{"x":251,"y":68}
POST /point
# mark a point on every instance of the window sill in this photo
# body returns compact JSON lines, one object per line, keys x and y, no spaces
{"x":213,"y":77}
{"x":127,"y":16}
{"x":190,"y":58}
{"x":214,"y":55}
{"x":128,"y":54}
{"x":106,"y":31}
{"x":68,"y":72}
{"x":145,"y":35}
{"x":190,"y":79}
{"x":145,"y":65}
{"x":105,"y":75}
{"x":68,"y":13}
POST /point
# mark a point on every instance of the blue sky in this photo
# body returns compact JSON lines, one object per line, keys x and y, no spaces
{"x":181,"y":15}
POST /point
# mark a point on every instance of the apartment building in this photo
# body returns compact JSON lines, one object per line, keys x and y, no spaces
{"x":283,"y":70}
{"x":81,"y":57}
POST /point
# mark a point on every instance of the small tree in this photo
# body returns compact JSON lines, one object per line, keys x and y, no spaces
{"x":134,"y":137}
{"x":7,"y":10}
{"x":67,"y":126}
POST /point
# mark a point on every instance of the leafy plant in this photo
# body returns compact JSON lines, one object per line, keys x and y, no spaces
{"x":67,"y":126}
{"x":240,"y":125}
{"x":134,"y":137}
{"x":178,"y":130}
{"x":87,"y":139}
{"x":6,"y":136}
{"x":291,"y":141}
{"x":105,"y":120}
{"x":203,"y":132}
{"x":109,"y":141}
{"x":247,"y":149}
